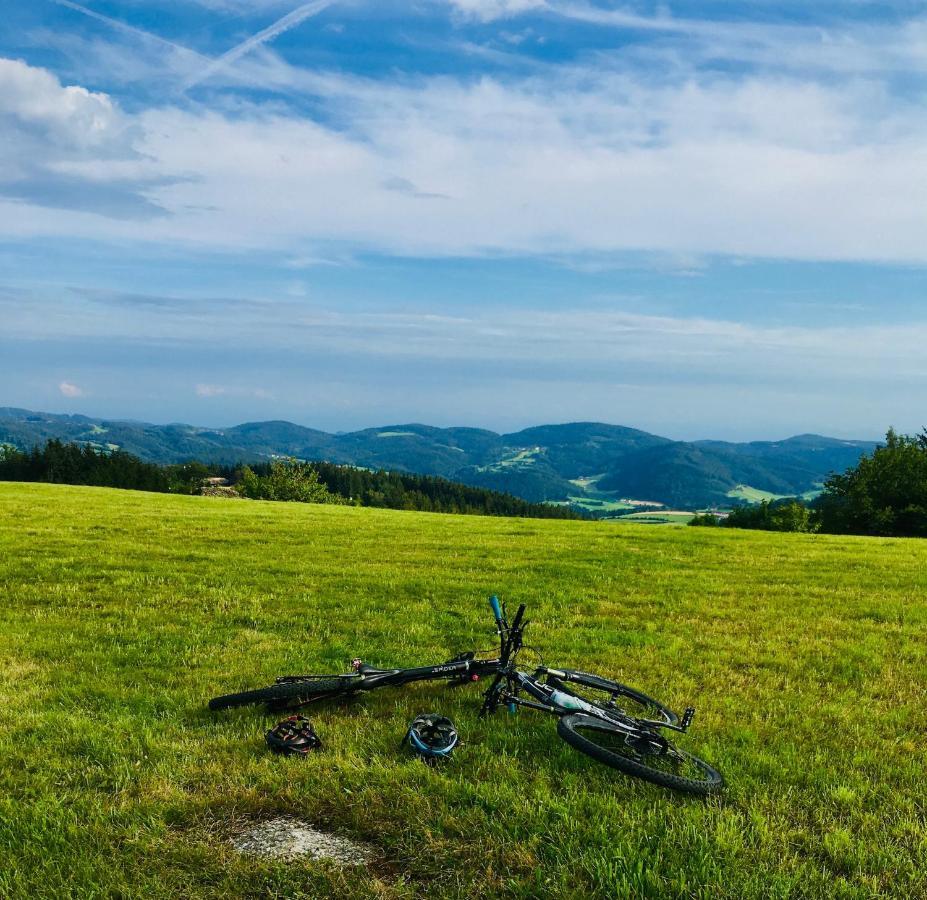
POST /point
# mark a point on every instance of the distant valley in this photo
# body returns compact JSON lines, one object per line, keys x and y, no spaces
{"x":605,"y":470}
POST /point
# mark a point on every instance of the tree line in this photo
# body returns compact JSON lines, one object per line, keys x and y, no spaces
{"x":289,"y":480}
{"x":885,"y":494}
{"x":392,"y":490}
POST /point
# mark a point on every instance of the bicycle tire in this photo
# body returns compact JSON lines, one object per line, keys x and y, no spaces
{"x":607,"y":685}
{"x":310,"y":689}
{"x":569,"y":729}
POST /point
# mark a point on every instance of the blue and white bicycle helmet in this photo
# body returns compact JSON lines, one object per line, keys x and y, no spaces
{"x":432,"y":737}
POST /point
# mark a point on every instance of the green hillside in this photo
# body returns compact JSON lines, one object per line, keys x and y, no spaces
{"x":123,"y":612}
{"x":709,"y":473}
{"x":544,"y":463}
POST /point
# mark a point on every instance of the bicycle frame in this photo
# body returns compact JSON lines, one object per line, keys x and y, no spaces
{"x":463,"y":669}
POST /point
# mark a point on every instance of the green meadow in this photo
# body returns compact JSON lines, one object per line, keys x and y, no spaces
{"x":122,"y":613}
{"x":756,"y":495}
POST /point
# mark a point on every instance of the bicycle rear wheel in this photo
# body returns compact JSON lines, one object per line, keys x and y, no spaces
{"x":645,"y":755}
{"x":290,"y":694}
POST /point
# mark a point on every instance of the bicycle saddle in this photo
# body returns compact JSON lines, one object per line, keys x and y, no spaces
{"x":365,"y":669}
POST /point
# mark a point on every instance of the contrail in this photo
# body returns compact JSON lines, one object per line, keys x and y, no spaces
{"x":129,"y":29}
{"x":290,"y":20}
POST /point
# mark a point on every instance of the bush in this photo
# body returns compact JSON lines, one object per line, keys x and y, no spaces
{"x":705,"y":520}
{"x":778,"y":515}
{"x":290,"y":481}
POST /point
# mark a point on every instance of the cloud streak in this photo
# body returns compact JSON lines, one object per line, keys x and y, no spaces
{"x":582,"y":339}
{"x":285,"y":23}
{"x":128,"y":29}
{"x":211,"y":391}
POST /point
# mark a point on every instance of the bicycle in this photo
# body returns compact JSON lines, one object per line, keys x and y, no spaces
{"x":586,"y":705}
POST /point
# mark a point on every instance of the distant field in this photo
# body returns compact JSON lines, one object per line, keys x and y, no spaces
{"x":601,"y":503}
{"x":755,"y":495}
{"x":516,"y":458}
{"x":600,"y":507}
{"x":123,"y":612}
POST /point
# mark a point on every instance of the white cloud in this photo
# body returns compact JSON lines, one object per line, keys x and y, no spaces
{"x":70,"y":390}
{"x":767,"y":167}
{"x":66,"y":147}
{"x":488,"y":10}
{"x":70,"y":117}
{"x":210,"y":390}
{"x":220,"y":390}
{"x":595,"y":160}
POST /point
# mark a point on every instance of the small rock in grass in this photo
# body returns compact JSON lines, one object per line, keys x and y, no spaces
{"x":285,"y":838}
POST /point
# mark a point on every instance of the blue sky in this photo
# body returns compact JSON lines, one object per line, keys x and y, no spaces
{"x":706,"y":219}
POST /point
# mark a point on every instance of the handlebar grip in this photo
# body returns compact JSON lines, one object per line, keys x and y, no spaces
{"x":517,"y":620}
{"x":496,"y":611}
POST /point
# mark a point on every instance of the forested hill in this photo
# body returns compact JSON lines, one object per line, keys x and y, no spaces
{"x":582,"y":460}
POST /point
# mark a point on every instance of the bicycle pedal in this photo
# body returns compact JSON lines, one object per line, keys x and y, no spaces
{"x":687,"y":718}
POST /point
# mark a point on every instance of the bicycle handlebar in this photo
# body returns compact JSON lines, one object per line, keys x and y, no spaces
{"x":496,"y":611}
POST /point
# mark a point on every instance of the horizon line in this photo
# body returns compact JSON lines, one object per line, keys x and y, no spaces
{"x":382,"y":427}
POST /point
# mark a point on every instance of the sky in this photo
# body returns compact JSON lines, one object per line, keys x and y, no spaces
{"x":703,"y":218}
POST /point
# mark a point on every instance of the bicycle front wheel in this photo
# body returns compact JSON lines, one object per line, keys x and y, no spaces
{"x":611,"y":695}
{"x":655,"y":761}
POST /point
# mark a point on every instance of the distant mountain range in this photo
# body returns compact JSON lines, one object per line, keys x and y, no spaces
{"x":597,"y":467}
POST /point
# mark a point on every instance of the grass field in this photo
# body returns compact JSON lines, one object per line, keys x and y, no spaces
{"x":122,"y":613}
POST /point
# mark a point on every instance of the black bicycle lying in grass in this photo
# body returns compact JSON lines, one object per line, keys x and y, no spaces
{"x":609,"y":721}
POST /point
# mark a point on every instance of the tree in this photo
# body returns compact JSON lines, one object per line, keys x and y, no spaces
{"x":884,"y":494}
{"x":74,"y":464}
{"x":187,"y":478}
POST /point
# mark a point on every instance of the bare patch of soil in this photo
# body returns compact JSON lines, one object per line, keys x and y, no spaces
{"x":286,"y":838}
